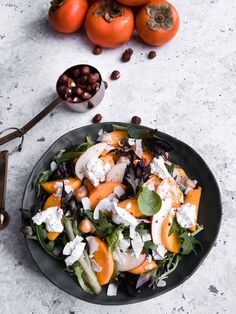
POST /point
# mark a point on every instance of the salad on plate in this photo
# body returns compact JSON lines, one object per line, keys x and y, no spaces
{"x":116,"y":211}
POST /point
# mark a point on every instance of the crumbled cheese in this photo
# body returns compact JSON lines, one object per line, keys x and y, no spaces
{"x":131,"y":141}
{"x":137,"y":247}
{"x":95,"y":266}
{"x":74,"y":249}
{"x":124,"y":244}
{"x":123,"y":160}
{"x":186,"y":215}
{"x":119,"y":256}
{"x":138,"y":145}
{"x":160,"y":252}
{"x":151,"y":186}
{"x":121,"y":216}
{"x":146,"y":237}
{"x":96,"y":171}
{"x":52,"y":217}
{"x":148,"y":266}
{"x":86,"y":203}
{"x":119,"y":191}
{"x":68,"y":189}
{"x":93,"y":245}
{"x":104,"y":137}
{"x":158,"y":167}
{"x":112,"y":289}
{"x":53,"y":166}
{"x":105,"y":205}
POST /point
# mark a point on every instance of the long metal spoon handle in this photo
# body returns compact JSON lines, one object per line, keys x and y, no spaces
{"x":3,"y":177}
{"x":31,"y":123}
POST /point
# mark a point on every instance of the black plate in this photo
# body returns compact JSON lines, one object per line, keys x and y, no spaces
{"x":210,"y":213}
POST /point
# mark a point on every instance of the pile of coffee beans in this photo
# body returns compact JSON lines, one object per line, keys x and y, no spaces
{"x":78,"y":84}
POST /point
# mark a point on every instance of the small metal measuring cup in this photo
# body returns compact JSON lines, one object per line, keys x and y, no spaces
{"x":75,"y":106}
{"x":4,"y":217}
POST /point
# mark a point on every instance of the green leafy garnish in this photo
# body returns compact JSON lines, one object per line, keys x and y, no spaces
{"x":79,"y":271}
{"x":188,"y":243}
{"x":170,"y":168}
{"x":150,"y":245}
{"x":142,"y":230}
{"x":135,"y":132}
{"x":113,"y":239}
{"x":149,"y":202}
{"x":43,"y":177}
{"x":175,"y":227}
{"x":104,"y":227}
{"x":72,"y":152}
{"x":117,"y":127}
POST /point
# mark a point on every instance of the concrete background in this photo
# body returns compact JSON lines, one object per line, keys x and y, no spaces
{"x":188,"y":91}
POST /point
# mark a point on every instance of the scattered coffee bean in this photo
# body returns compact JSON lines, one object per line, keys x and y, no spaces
{"x":152,"y":54}
{"x":89,"y":89}
{"x":63,"y":79}
{"x":96,"y":86}
{"x":127,"y":55}
{"x":68,"y":92}
{"x":115,"y":75}
{"x":84,"y":80}
{"x":85,"y":70}
{"x":105,"y":84}
{"x":97,"y":118}
{"x":69,"y":99}
{"x":62,"y":90}
{"x":78,"y":91}
{"x":97,"y":50}
{"x":86,"y":96}
{"x":136,"y":120}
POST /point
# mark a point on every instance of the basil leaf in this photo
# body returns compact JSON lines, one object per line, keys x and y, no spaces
{"x":137,"y":133}
{"x":170,"y":168}
{"x":149,"y":202}
{"x":113,"y":239}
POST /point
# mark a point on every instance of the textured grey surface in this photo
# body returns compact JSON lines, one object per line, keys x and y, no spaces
{"x":188,"y":91}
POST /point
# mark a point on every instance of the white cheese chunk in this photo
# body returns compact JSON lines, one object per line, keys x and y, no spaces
{"x":53,"y":166}
{"x":124,"y":244}
{"x":186,"y":215}
{"x":158,"y":167}
{"x":146,"y":237}
{"x":93,"y":245}
{"x":121,"y":216}
{"x":112,"y":289}
{"x":96,"y":171}
{"x":52,"y":217}
{"x":137,"y":247}
{"x":86,"y":203}
{"x":74,"y":249}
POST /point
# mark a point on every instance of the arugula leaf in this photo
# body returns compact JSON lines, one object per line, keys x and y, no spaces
{"x":150,"y":245}
{"x":113,"y":239}
{"x":104,"y":227}
{"x":188,"y":243}
{"x":43,"y":177}
{"x":149,"y":202}
{"x":72,"y":152}
{"x":142,"y":230}
{"x":170,"y":168}
{"x":117,"y":127}
{"x":138,"y":133}
{"x":175,"y":227}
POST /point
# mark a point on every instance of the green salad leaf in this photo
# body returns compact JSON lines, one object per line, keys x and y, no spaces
{"x":43,"y":177}
{"x":150,"y":245}
{"x":141,"y":133}
{"x":117,"y":127}
{"x":79,"y":271}
{"x":113,"y":239}
{"x":142,"y":229}
{"x":170,"y":168}
{"x":188,"y":243}
{"x":73,"y":152}
{"x":149,"y":202}
{"x":104,"y":227}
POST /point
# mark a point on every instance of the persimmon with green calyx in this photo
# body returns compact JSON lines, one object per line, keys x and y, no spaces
{"x":67,"y":16}
{"x":109,"y":24}
{"x":157,"y":22}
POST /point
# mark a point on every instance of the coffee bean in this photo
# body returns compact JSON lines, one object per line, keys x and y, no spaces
{"x":115,"y":75}
{"x":69,"y":99}
{"x":136,"y":120}
{"x":93,"y":78}
{"x":125,"y":57}
{"x":63,"y":79}
{"x":76,"y":73}
{"x":78,"y":91}
{"x":86,"y":96}
{"x":89,"y":89}
{"x":97,"y":118}
{"x":97,"y":50}
{"x":62,"y":90}
{"x":85,"y":70}
{"x":84,"y":80}
{"x":152,"y":54}
{"x":105,"y":84}
{"x":68,"y":92}
{"x":70,"y":83}
{"x":96,"y":87}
